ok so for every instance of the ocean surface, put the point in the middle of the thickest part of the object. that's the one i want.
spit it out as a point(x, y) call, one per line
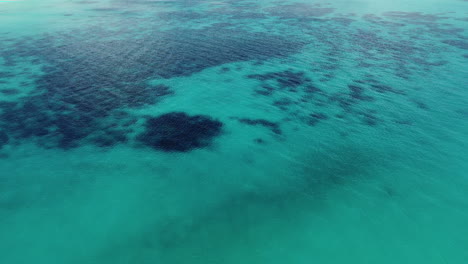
point(233, 131)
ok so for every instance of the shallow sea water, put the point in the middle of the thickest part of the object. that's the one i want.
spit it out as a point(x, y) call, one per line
point(233, 131)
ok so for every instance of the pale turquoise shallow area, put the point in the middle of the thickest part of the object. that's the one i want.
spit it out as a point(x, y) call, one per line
point(363, 161)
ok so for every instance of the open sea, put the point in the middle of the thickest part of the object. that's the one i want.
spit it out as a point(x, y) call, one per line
point(233, 132)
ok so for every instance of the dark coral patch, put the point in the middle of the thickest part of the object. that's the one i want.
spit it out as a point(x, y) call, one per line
point(6, 105)
point(369, 118)
point(265, 90)
point(299, 10)
point(4, 139)
point(259, 141)
point(311, 89)
point(9, 91)
point(70, 118)
point(373, 85)
point(357, 92)
point(274, 127)
point(283, 103)
point(225, 69)
point(314, 118)
point(413, 16)
point(382, 88)
point(179, 132)
point(285, 79)
point(4, 75)
point(457, 43)
point(420, 104)
point(343, 101)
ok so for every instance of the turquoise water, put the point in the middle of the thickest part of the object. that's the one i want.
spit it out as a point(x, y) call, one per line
point(233, 131)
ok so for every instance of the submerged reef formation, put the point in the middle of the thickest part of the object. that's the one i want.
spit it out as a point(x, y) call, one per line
point(3, 139)
point(286, 80)
point(64, 117)
point(71, 87)
point(299, 11)
point(273, 126)
point(87, 82)
point(179, 132)
point(300, 98)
